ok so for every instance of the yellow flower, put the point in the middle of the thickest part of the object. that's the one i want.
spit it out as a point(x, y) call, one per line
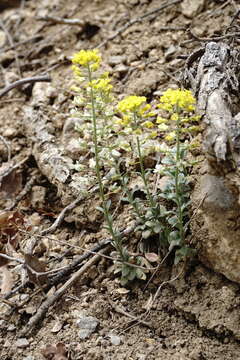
point(118, 121)
point(87, 58)
point(194, 145)
point(148, 124)
point(124, 146)
point(131, 104)
point(174, 117)
point(101, 85)
point(153, 135)
point(195, 118)
point(161, 120)
point(145, 108)
point(171, 136)
point(126, 120)
point(163, 127)
point(194, 128)
point(75, 88)
point(137, 131)
point(76, 70)
point(178, 99)
point(185, 120)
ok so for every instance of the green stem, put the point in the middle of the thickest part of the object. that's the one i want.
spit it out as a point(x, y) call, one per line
point(143, 174)
point(177, 187)
point(116, 239)
point(129, 194)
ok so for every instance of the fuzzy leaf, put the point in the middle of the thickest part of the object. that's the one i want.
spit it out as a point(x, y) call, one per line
point(146, 234)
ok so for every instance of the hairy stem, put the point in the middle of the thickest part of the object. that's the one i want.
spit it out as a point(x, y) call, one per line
point(115, 237)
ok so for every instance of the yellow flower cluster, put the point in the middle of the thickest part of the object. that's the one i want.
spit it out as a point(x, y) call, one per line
point(134, 108)
point(177, 100)
point(132, 104)
point(87, 58)
point(102, 85)
point(76, 70)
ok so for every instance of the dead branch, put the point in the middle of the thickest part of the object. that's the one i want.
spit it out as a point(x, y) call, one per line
point(61, 216)
point(55, 225)
point(121, 311)
point(24, 81)
point(58, 20)
point(35, 319)
point(216, 38)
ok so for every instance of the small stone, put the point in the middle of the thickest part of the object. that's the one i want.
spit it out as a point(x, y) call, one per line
point(170, 51)
point(121, 69)
point(141, 357)
point(10, 132)
point(2, 38)
point(29, 357)
point(117, 59)
point(191, 8)
point(115, 340)
point(11, 327)
point(74, 148)
point(22, 343)
point(87, 325)
point(2, 324)
point(6, 56)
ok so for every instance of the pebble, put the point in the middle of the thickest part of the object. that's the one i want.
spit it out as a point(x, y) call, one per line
point(87, 325)
point(117, 59)
point(121, 69)
point(2, 38)
point(10, 132)
point(11, 327)
point(191, 8)
point(170, 51)
point(2, 324)
point(22, 343)
point(115, 340)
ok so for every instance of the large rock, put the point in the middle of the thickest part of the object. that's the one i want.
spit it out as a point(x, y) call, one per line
point(217, 226)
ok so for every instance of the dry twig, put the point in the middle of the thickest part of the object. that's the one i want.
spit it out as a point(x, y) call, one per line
point(58, 20)
point(217, 38)
point(42, 310)
point(119, 310)
point(24, 81)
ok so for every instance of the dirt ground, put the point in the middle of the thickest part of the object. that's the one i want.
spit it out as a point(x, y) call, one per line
point(196, 316)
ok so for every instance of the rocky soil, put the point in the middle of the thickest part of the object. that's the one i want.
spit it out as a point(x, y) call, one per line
point(144, 46)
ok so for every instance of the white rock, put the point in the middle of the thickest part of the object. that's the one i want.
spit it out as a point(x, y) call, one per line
point(2, 38)
point(191, 8)
point(22, 343)
point(87, 325)
point(115, 340)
